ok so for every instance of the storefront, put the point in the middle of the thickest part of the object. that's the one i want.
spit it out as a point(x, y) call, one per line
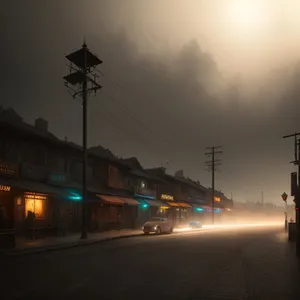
point(114, 212)
point(149, 208)
point(174, 212)
point(185, 212)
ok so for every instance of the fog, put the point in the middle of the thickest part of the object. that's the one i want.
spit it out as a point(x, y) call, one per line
point(176, 78)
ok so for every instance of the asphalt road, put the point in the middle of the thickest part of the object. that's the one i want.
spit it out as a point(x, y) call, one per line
point(218, 264)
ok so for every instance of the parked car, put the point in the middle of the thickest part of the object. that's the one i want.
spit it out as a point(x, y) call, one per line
point(158, 225)
point(195, 224)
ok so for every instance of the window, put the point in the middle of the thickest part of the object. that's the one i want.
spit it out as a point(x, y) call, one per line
point(35, 203)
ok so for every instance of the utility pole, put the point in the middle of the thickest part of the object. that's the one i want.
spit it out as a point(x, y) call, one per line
point(297, 162)
point(262, 198)
point(80, 78)
point(212, 167)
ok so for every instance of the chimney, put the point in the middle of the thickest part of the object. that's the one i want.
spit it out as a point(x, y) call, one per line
point(41, 124)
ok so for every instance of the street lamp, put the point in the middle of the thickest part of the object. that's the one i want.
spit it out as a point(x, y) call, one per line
point(79, 77)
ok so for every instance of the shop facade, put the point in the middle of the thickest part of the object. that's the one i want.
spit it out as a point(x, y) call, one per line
point(149, 208)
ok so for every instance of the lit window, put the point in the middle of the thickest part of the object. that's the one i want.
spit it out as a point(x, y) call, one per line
point(36, 204)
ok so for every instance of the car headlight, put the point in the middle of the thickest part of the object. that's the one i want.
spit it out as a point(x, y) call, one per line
point(143, 227)
point(155, 227)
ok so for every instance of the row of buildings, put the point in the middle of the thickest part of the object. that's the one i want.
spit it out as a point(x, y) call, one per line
point(42, 174)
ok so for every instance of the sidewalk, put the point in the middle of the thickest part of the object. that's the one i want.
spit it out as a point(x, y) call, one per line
point(24, 246)
point(27, 246)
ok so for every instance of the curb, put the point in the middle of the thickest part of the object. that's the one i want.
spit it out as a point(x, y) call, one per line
point(11, 253)
point(66, 246)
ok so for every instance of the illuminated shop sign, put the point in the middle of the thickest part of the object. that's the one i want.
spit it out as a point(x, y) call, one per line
point(5, 188)
point(166, 197)
point(35, 196)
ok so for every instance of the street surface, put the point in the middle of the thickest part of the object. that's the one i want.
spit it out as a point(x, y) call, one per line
point(233, 263)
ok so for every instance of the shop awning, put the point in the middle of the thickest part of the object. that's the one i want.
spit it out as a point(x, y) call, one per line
point(183, 204)
point(173, 203)
point(155, 203)
point(111, 199)
point(130, 201)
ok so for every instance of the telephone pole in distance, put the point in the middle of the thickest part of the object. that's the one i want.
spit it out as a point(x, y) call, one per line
point(296, 162)
point(211, 164)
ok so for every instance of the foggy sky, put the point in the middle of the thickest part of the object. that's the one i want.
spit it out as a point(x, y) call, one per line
point(174, 83)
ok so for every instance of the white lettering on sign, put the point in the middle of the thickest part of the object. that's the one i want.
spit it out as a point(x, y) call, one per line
point(5, 188)
point(166, 197)
point(35, 196)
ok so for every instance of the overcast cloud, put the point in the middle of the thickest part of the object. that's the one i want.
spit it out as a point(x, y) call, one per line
point(161, 100)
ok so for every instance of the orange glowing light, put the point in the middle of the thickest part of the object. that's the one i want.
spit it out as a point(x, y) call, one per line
point(217, 199)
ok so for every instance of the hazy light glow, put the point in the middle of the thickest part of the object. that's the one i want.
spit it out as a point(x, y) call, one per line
point(230, 226)
point(246, 16)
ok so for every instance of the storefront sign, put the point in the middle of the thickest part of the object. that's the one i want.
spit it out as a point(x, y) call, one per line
point(35, 196)
point(5, 188)
point(166, 197)
point(8, 169)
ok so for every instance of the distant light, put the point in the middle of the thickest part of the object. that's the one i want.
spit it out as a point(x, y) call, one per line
point(218, 210)
point(217, 199)
point(199, 209)
point(145, 205)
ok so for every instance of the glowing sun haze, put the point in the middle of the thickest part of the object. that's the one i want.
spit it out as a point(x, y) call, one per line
point(245, 36)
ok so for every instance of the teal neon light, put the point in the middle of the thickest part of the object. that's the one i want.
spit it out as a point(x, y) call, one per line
point(145, 196)
point(74, 197)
